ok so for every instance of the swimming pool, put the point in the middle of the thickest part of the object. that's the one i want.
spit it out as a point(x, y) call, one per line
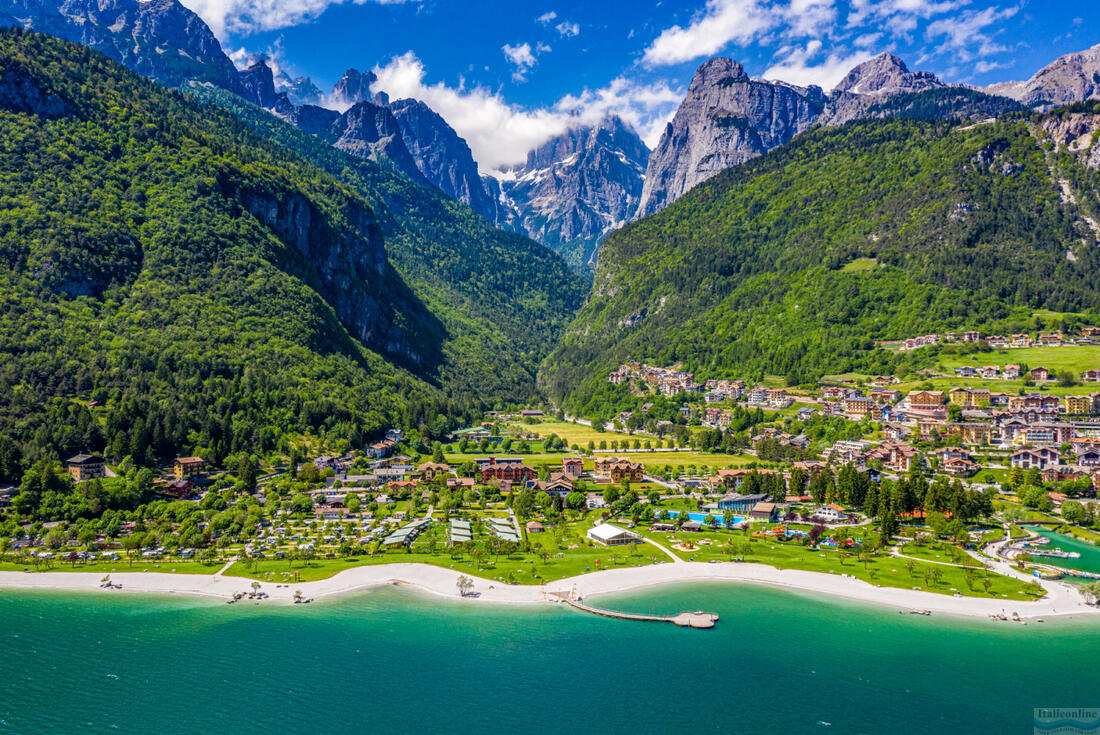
point(701, 517)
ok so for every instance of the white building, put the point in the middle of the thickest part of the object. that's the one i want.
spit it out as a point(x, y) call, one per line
point(610, 535)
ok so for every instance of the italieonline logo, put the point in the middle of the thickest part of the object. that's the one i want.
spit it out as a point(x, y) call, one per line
point(1067, 721)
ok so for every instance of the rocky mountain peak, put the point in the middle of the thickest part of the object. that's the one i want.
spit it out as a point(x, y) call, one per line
point(442, 155)
point(259, 80)
point(160, 39)
point(299, 90)
point(353, 87)
point(579, 186)
point(717, 71)
point(1071, 78)
point(725, 119)
point(886, 74)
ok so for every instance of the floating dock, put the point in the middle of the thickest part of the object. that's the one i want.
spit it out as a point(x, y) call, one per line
point(696, 619)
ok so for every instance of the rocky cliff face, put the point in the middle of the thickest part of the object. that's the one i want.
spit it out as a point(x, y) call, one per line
point(576, 188)
point(353, 87)
point(1070, 78)
point(725, 119)
point(1077, 133)
point(259, 84)
point(442, 156)
point(346, 266)
point(728, 118)
point(160, 39)
point(370, 131)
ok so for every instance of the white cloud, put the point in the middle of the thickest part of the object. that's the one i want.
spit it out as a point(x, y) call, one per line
point(545, 18)
point(249, 16)
point(647, 107)
point(965, 34)
point(500, 134)
point(865, 11)
point(800, 66)
point(568, 29)
point(523, 57)
point(721, 22)
point(984, 67)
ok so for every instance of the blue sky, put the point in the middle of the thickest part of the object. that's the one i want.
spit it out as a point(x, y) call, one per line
point(508, 75)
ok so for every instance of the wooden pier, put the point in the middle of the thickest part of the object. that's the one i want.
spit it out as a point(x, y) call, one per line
point(684, 620)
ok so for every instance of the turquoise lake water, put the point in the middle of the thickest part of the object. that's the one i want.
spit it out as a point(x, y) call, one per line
point(394, 661)
point(1089, 561)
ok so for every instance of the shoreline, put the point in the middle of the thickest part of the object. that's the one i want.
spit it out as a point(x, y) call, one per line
point(1060, 601)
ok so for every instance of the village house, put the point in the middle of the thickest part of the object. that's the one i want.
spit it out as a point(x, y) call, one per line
point(177, 489)
point(187, 468)
point(431, 470)
point(971, 336)
point(504, 469)
point(1078, 405)
point(1010, 372)
point(1039, 457)
point(1051, 340)
point(857, 406)
point(1039, 374)
point(86, 467)
point(764, 512)
point(895, 431)
point(894, 455)
point(845, 452)
point(572, 466)
point(925, 399)
point(326, 513)
point(885, 395)
point(558, 483)
point(831, 513)
point(619, 469)
point(1090, 376)
point(976, 433)
point(1054, 432)
point(1062, 473)
point(1034, 401)
point(460, 483)
point(380, 450)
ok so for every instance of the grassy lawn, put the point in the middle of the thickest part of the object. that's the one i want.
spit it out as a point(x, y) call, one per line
point(1074, 358)
point(859, 265)
point(683, 459)
point(882, 570)
point(943, 552)
point(990, 476)
point(521, 568)
point(572, 433)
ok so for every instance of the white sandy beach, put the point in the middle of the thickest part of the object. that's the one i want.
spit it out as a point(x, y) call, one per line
point(1061, 599)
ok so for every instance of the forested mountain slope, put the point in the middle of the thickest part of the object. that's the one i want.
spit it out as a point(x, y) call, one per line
point(211, 288)
point(502, 298)
point(767, 268)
